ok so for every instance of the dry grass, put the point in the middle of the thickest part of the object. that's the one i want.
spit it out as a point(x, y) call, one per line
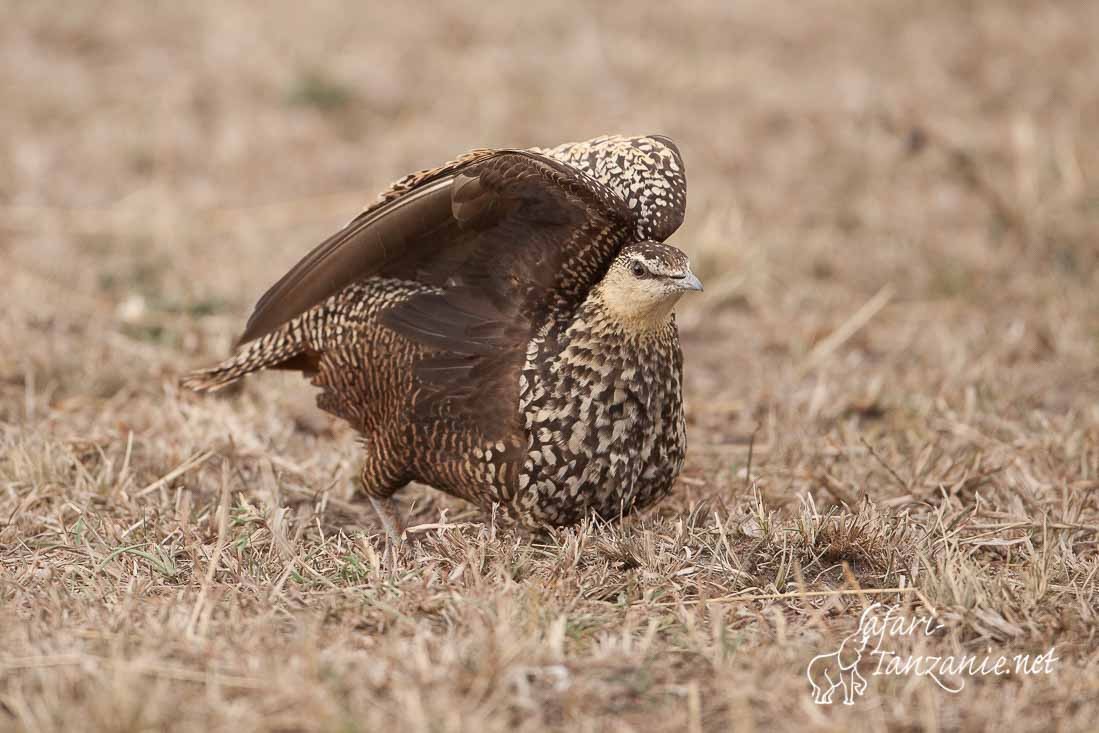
point(895, 209)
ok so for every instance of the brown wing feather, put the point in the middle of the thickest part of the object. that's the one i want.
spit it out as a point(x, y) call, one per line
point(360, 249)
point(551, 238)
point(400, 228)
point(644, 172)
point(415, 232)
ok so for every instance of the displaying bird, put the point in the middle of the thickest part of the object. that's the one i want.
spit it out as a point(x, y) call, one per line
point(499, 328)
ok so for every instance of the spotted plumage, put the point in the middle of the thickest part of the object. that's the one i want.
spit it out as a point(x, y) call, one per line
point(499, 328)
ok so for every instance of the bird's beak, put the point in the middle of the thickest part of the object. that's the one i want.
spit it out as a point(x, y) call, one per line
point(689, 282)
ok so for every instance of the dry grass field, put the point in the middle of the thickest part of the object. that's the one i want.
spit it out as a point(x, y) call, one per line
point(892, 378)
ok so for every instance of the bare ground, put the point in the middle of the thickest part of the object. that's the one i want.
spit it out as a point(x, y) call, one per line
point(891, 377)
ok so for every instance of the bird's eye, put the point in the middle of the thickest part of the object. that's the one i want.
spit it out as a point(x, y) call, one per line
point(638, 269)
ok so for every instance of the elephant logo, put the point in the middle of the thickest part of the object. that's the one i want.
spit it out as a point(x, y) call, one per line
point(840, 668)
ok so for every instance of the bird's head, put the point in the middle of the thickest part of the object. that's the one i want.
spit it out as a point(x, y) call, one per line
point(644, 283)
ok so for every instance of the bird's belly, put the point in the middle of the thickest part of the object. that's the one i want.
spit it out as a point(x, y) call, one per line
point(591, 451)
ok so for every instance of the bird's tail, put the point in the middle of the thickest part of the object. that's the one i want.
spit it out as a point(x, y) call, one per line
point(271, 350)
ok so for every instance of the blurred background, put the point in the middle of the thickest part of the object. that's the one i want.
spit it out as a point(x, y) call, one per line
point(892, 204)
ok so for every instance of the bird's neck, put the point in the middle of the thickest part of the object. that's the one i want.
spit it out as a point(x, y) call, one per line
point(627, 315)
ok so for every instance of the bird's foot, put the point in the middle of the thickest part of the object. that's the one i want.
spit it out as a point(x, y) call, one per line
point(390, 517)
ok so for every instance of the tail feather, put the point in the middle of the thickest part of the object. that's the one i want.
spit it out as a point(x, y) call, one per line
point(269, 351)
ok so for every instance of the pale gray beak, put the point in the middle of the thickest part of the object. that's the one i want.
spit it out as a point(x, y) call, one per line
point(689, 282)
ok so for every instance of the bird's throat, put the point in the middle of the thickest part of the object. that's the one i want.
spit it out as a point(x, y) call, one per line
point(633, 312)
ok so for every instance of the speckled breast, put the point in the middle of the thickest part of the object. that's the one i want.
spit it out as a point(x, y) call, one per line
point(604, 421)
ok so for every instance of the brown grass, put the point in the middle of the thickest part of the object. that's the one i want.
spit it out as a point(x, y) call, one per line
point(895, 209)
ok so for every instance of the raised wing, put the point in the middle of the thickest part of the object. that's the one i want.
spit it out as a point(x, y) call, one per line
point(403, 227)
point(645, 171)
point(399, 226)
point(422, 227)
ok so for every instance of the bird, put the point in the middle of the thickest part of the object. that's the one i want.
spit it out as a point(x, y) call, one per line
point(500, 328)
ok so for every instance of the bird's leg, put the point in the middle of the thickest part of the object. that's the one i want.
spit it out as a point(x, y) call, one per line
point(390, 517)
point(380, 481)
